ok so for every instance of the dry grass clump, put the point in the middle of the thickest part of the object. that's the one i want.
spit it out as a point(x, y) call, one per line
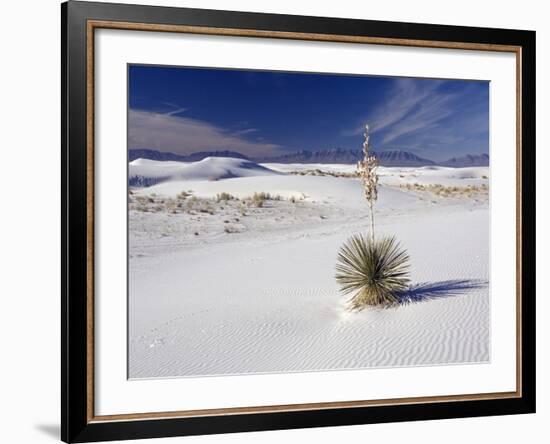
point(183, 195)
point(447, 191)
point(156, 204)
point(318, 172)
point(171, 205)
point(223, 196)
point(258, 199)
point(196, 205)
point(141, 203)
point(374, 272)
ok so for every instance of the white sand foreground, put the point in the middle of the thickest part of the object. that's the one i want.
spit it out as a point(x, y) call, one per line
point(226, 287)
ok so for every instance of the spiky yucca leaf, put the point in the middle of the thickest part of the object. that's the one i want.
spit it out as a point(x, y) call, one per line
point(375, 272)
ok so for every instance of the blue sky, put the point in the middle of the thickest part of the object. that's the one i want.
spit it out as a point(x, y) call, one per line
point(184, 110)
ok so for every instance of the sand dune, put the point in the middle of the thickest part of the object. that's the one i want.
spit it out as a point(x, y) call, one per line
point(436, 175)
point(210, 168)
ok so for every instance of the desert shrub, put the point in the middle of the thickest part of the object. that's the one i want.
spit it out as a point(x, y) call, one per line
point(224, 197)
point(183, 195)
point(207, 209)
point(258, 199)
point(169, 203)
point(191, 204)
point(447, 191)
point(374, 272)
point(195, 204)
point(318, 172)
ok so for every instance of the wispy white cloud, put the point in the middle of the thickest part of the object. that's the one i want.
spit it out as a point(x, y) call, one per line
point(175, 112)
point(177, 109)
point(184, 135)
point(401, 100)
point(412, 114)
point(245, 131)
point(422, 117)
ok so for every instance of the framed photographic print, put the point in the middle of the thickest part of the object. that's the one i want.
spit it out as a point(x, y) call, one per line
point(276, 221)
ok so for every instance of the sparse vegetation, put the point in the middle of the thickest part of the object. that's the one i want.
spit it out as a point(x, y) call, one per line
point(186, 202)
point(318, 172)
point(171, 205)
point(183, 195)
point(258, 199)
point(447, 191)
point(224, 197)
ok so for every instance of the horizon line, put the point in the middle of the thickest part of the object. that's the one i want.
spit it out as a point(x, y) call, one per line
point(290, 153)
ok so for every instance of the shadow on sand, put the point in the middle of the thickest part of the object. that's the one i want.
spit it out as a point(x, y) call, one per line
point(426, 291)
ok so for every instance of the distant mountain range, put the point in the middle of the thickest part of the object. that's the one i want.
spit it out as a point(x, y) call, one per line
point(468, 160)
point(337, 155)
point(194, 157)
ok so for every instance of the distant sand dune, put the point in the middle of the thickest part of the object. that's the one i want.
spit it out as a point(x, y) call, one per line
point(149, 172)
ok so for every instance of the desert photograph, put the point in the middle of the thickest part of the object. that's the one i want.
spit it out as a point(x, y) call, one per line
point(298, 222)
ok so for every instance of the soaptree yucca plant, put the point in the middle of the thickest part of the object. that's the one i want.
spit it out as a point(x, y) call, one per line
point(374, 271)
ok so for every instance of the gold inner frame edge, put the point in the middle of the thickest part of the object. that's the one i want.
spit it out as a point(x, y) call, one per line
point(92, 25)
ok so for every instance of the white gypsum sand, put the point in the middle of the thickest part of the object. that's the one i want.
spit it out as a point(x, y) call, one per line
point(233, 284)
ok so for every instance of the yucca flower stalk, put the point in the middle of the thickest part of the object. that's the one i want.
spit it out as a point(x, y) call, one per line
point(367, 171)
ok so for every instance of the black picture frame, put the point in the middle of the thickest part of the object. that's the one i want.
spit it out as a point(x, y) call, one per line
point(77, 425)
